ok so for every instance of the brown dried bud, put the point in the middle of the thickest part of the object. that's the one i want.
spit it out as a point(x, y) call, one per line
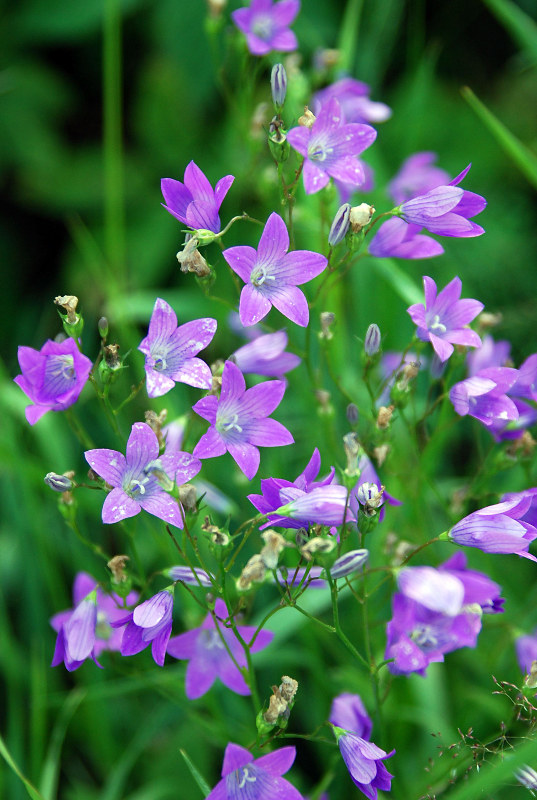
point(188, 496)
point(111, 356)
point(307, 119)
point(317, 545)
point(69, 303)
point(277, 707)
point(116, 565)
point(216, 535)
point(380, 453)
point(191, 260)
point(155, 422)
point(384, 417)
point(360, 216)
point(274, 544)
point(407, 374)
point(288, 688)
point(327, 319)
point(253, 572)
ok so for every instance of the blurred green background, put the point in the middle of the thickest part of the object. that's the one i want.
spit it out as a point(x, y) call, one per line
point(80, 174)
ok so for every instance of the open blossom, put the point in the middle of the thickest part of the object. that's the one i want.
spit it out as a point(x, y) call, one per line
point(138, 477)
point(398, 239)
point(444, 317)
point(272, 275)
point(364, 760)
point(354, 101)
point(194, 202)
point(246, 778)
point(169, 351)
point(208, 657)
point(149, 623)
point(52, 377)
point(266, 25)
point(484, 396)
point(330, 148)
point(348, 712)
point(85, 630)
point(240, 422)
point(417, 176)
point(266, 355)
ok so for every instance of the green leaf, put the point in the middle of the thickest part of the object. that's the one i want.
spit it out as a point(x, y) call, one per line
point(517, 23)
point(348, 37)
point(32, 791)
point(198, 777)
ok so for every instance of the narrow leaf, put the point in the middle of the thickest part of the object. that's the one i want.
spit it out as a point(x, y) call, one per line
point(32, 791)
point(196, 774)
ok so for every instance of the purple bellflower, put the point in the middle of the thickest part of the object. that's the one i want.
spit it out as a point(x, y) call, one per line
point(443, 319)
point(52, 377)
point(149, 623)
point(240, 420)
point(272, 275)
point(138, 478)
point(326, 505)
point(255, 779)
point(484, 396)
point(266, 355)
point(194, 202)
point(85, 631)
point(398, 239)
point(478, 588)
point(490, 354)
point(364, 760)
point(330, 148)
point(266, 25)
point(209, 658)
point(348, 712)
point(417, 176)
point(354, 101)
point(506, 527)
point(526, 651)
point(169, 351)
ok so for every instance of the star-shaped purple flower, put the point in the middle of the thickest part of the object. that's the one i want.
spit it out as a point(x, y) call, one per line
point(330, 148)
point(149, 623)
point(138, 478)
point(194, 202)
point(255, 779)
point(239, 420)
point(52, 377)
point(207, 655)
point(443, 319)
point(272, 275)
point(266, 26)
point(169, 351)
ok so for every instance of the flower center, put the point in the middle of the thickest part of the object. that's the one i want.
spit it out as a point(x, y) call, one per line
point(259, 276)
point(136, 487)
point(212, 640)
point(436, 326)
point(159, 363)
point(62, 367)
point(263, 26)
point(232, 424)
point(244, 777)
point(425, 637)
point(318, 152)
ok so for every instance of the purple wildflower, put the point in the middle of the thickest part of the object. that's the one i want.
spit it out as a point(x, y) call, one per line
point(490, 354)
point(348, 712)
point(52, 377)
point(85, 631)
point(445, 210)
point(354, 101)
point(351, 562)
point(266, 26)
point(255, 779)
point(138, 478)
point(526, 651)
point(325, 505)
point(443, 319)
point(434, 589)
point(506, 527)
point(150, 622)
point(330, 148)
point(192, 576)
point(266, 355)
point(484, 396)
point(364, 760)
point(478, 587)
point(239, 420)
point(417, 176)
point(272, 275)
point(194, 202)
point(397, 239)
point(170, 350)
point(209, 658)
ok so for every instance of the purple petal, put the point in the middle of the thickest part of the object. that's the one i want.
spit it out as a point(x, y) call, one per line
point(278, 762)
point(83, 585)
point(262, 399)
point(118, 505)
point(163, 321)
point(132, 641)
point(269, 433)
point(246, 456)
point(231, 676)
point(299, 139)
point(274, 241)
point(159, 644)
point(253, 306)
point(210, 445)
point(79, 631)
point(142, 447)
point(194, 372)
point(299, 267)
point(314, 177)
point(194, 336)
point(242, 260)
point(163, 506)
point(207, 408)
point(110, 465)
point(152, 611)
point(292, 303)
point(221, 189)
point(284, 12)
point(235, 757)
point(200, 676)
point(442, 348)
point(184, 646)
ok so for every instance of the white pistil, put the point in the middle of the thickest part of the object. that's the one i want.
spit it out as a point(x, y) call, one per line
point(437, 326)
point(246, 777)
point(259, 276)
point(232, 424)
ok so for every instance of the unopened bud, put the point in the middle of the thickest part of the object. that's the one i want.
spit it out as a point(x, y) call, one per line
point(340, 225)
point(278, 86)
point(278, 144)
point(59, 483)
point(372, 340)
point(369, 495)
point(110, 364)
point(327, 319)
point(352, 414)
point(349, 563)
point(102, 325)
point(307, 119)
point(384, 417)
point(360, 216)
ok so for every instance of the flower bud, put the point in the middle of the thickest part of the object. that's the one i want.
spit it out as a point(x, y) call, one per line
point(360, 216)
point(278, 144)
point(188, 497)
point(385, 417)
point(254, 572)
point(372, 340)
point(59, 483)
point(73, 323)
point(349, 563)
point(370, 498)
point(102, 325)
point(327, 319)
point(307, 119)
point(278, 86)
point(352, 414)
point(110, 365)
point(340, 225)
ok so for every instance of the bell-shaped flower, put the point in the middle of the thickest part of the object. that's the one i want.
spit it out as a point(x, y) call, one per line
point(484, 396)
point(348, 712)
point(194, 202)
point(364, 760)
point(399, 239)
point(149, 623)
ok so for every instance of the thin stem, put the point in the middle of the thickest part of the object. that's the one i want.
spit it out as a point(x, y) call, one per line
point(78, 429)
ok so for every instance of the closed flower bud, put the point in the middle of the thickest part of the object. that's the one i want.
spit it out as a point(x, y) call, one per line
point(340, 225)
point(278, 144)
point(349, 563)
point(102, 325)
point(278, 86)
point(327, 319)
point(352, 414)
point(59, 483)
point(372, 340)
point(370, 498)
point(307, 119)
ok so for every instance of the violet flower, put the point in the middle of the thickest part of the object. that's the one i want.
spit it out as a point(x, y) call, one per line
point(266, 26)
point(478, 588)
point(490, 354)
point(208, 657)
point(194, 202)
point(445, 210)
point(398, 239)
point(272, 275)
point(364, 760)
point(417, 176)
point(325, 505)
point(138, 478)
point(526, 651)
point(354, 101)
point(192, 576)
point(255, 779)
point(240, 420)
point(501, 528)
point(52, 377)
point(484, 396)
point(330, 148)
point(169, 351)
point(348, 712)
point(85, 631)
point(149, 623)
point(443, 319)
point(266, 355)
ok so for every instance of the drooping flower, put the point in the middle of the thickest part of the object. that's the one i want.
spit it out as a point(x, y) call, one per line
point(272, 275)
point(484, 396)
point(444, 317)
point(348, 712)
point(255, 779)
point(506, 527)
point(149, 623)
point(364, 760)
point(398, 239)
point(266, 26)
point(52, 377)
point(351, 562)
point(266, 355)
point(194, 202)
point(330, 148)
point(434, 589)
point(417, 176)
point(85, 630)
point(353, 98)
point(240, 420)
point(208, 657)
point(138, 478)
point(169, 351)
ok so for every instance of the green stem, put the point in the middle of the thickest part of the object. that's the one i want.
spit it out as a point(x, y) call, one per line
point(337, 625)
point(78, 429)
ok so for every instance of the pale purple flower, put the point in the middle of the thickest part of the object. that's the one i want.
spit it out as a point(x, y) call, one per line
point(506, 527)
point(348, 712)
point(330, 148)
point(52, 377)
point(444, 317)
point(266, 355)
point(353, 98)
point(169, 351)
point(246, 778)
point(85, 631)
point(434, 589)
point(208, 657)
point(325, 505)
point(272, 275)
point(240, 420)
point(490, 354)
point(478, 587)
point(417, 176)
point(484, 396)
point(340, 225)
point(266, 25)
point(192, 576)
point(138, 478)
point(351, 562)
point(398, 239)
point(149, 623)
point(278, 85)
point(526, 651)
point(445, 210)
point(194, 202)
point(364, 760)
